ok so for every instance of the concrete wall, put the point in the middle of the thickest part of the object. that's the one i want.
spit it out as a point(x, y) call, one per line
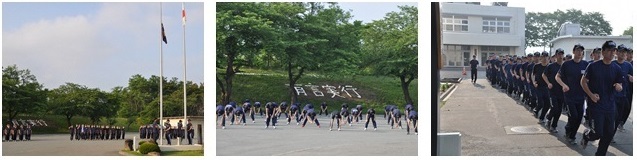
point(589, 43)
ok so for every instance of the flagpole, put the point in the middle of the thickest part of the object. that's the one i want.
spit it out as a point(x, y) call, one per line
point(183, 16)
point(161, 78)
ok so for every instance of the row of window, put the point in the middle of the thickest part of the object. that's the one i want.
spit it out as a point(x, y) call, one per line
point(453, 23)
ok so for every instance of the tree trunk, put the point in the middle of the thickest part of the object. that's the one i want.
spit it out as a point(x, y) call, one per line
point(223, 89)
point(405, 86)
point(231, 43)
point(292, 83)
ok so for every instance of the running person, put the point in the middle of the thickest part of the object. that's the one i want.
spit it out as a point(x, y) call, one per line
point(556, 93)
point(621, 99)
point(569, 78)
point(600, 81)
point(541, 88)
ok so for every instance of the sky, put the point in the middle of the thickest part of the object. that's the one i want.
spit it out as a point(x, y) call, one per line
point(101, 45)
point(620, 14)
point(369, 11)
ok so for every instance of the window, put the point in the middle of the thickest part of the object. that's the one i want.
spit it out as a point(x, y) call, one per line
point(455, 23)
point(456, 55)
point(496, 25)
point(500, 50)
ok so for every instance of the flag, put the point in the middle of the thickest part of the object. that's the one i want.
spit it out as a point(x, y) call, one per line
point(183, 14)
point(163, 34)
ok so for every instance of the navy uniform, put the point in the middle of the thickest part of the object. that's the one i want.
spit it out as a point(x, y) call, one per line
point(167, 133)
point(180, 130)
point(6, 132)
point(123, 132)
point(360, 112)
point(474, 69)
point(229, 114)
point(555, 91)
point(570, 75)
point(543, 103)
point(413, 119)
point(269, 115)
point(142, 130)
point(523, 78)
point(370, 116)
point(388, 112)
point(311, 115)
point(248, 109)
point(601, 80)
point(28, 132)
point(221, 111)
point(21, 132)
point(323, 108)
point(283, 110)
point(240, 115)
point(621, 98)
point(336, 116)
point(345, 113)
point(395, 113)
point(191, 131)
point(72, 131)
point(294, 112)
point(257, 107)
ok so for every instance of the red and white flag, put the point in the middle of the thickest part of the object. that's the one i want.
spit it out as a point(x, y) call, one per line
point(183, 14)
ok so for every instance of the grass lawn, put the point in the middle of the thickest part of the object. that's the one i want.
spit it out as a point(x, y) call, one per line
point(375, 91)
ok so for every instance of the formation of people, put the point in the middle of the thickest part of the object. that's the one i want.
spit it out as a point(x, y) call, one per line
point(96, 132)
point(272, 111)
point(16, 132)
point(153, 131)
point(547, 85)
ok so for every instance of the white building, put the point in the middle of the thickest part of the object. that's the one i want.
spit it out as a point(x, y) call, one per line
point(470, 29)
point(569, 35)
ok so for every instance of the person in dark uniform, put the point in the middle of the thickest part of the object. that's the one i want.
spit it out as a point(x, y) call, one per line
point(629, 89)
point(270, 115)
point(336, 116)
point(355, 114)
point(413, 120)
point(522, 71)
point(311, 115)
point(123, 132)
point(257, 108)
point(221, 111)
point(543, 103)
point(323, 108)
point(142, 130)
point(77, 132)
point(294, 113)
point(345, 114)
point(360, 110)
point(396, 118)
point(180, 131)
point(600, 81)
point(191, 131)
point(370, 116)
point(534, 93)
point(239, 115)
point(248, 109)
point(556, 93)
point(167, 131)
point(569, 78)
point(5, 133)
point(13, 132)
point(156, 132)
point(28, 132)
point(21, 132)
point(408, 108)
point(621, 99)
point(72, 131)
point(388, 111)
point(474, 69)
point(229, 113)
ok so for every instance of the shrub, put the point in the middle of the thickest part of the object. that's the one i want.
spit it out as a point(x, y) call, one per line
point(141, 142)
point(148, 147)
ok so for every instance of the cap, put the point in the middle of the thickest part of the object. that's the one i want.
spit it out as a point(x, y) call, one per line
point(559, 50)
point(621, 47)
point(529, 55)
point(536, 54)
point(545, 54)
point(578, 46)
point(609, 45)
point(569, 56)
point(597, 50)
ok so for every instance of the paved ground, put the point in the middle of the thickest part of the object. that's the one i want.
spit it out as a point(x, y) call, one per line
point(60, 145)
point(480, 113)
point(292, 140)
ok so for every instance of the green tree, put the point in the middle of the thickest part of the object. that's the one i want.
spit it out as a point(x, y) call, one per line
point(541, 28)
point(391, 47)
point(629, 32)
point(67, 100)
point(313, 37)
point(241, 30)
point(21, 92)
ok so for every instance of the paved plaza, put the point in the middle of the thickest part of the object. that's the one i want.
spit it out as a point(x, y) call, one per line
point(292, 140)
point(482, 114)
